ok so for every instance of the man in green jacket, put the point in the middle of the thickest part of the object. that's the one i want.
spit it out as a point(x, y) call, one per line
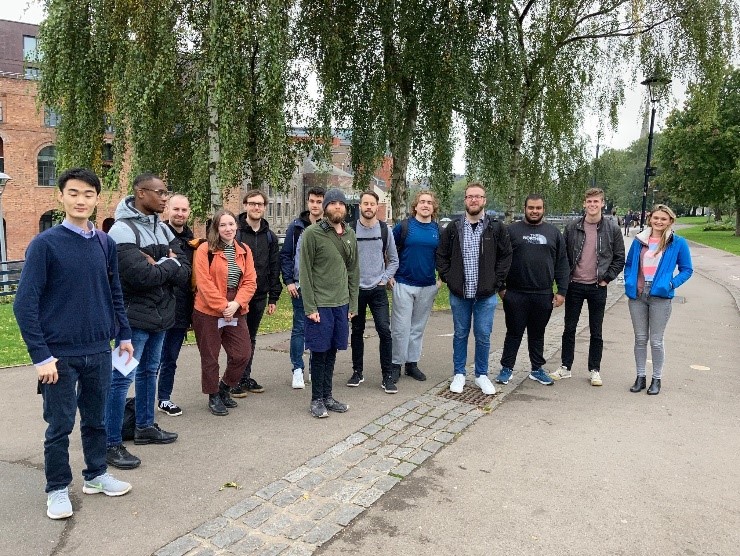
point(330, 278)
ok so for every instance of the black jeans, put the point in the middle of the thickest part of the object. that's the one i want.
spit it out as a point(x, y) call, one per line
point(84, 382)
point(530, 312)
point(377, 300)
point(254, 318)
point(595, 296)
point(322, 373)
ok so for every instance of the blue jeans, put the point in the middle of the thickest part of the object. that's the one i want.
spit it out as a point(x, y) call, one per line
point(147, 351)
point(173, 339)
point(481, 312)
point(83, 382)
point(297, 333)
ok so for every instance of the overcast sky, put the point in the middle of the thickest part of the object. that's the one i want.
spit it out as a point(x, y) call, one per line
point(630, 115)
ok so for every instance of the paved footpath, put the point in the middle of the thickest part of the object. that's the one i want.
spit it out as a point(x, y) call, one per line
point(532, 470)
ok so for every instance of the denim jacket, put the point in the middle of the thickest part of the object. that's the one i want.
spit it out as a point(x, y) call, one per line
point(664, 284)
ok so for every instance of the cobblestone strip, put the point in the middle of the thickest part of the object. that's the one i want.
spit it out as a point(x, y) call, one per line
point(308, 506)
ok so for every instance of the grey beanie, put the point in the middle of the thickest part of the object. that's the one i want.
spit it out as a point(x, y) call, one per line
point(334, 195)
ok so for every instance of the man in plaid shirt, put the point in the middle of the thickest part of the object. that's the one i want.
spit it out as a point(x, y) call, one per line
point(473, 258)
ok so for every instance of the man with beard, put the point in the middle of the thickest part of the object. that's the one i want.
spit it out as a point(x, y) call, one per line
point(539, 258)
point(378, 263)
point(289, 268)
point(330, 275)
point(179, 212)
point(473, 258)
point(255, 232)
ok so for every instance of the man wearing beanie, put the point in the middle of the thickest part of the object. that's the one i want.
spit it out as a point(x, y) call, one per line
point(330, 277)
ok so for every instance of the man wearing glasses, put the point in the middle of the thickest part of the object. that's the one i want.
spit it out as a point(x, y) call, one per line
point(473, 258)
point(151, 264)
point(255, 232)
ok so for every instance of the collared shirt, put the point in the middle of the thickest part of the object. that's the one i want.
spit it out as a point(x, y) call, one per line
point(471, 255)
point(88, 233)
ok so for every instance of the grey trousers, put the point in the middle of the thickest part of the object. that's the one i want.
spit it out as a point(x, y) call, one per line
point(412, 306)
point(649, 319)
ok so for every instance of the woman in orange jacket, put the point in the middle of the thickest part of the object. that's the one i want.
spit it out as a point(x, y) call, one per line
point(226, 281)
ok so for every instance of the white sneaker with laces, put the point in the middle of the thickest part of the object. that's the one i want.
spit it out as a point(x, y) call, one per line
point(484, 383)
point(58, 505)
point(562, 372)
point(457, 384)
point(298, 383)
point(595, 378)
point(107, 484)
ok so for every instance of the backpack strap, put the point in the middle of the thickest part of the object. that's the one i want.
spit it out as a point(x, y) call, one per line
point(383, 234)
point(103, 240)
point(137, 233)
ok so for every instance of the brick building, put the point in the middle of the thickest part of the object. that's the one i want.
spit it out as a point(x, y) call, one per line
point(27, 154)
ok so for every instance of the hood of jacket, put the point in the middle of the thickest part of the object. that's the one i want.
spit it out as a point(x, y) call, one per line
point(244, 225)
point(644, 236)
point(126, 210)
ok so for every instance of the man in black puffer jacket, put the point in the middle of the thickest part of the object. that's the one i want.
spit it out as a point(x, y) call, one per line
point(151, 265)
point(254, 231)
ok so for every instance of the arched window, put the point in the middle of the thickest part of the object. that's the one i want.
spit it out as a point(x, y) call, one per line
point(49, 219)
point(47, 165)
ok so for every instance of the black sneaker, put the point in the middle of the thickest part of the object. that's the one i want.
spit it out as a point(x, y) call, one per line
point(169, 408)
point(318, 409)
point(240, 390)
point(118, 456)
point(333, 405)
point(216, 405)
point(414, 372)
point(388, 385)
point(356, 379)
point(154, 435)
point(395, 373)
point(253, 387)
point(223, 392)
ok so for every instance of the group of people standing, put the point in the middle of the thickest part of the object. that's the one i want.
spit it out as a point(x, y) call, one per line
point(147, 281)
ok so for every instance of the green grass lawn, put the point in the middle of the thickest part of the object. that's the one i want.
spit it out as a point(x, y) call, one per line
point(692, 220)
point(13, 349)
point(726, 241)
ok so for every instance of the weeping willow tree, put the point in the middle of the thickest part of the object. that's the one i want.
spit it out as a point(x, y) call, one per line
point(199, 92)
point(540, 64)
point(387, 72)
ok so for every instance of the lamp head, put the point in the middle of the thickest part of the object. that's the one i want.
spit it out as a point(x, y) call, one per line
point(4, 178)
point(657, 86)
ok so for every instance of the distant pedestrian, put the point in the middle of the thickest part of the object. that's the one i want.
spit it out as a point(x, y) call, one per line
point(473, 258)
point(628, 219)
point(539, 258)
point(330, 276)
point(376, 251)
point(226, 281)
point(415, 285)
point(596, 257)
point(289, 267)
point(650, 284)
point(69, 305)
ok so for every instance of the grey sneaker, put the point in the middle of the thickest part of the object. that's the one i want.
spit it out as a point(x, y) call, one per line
point(333, 405)
point(318, 409)
point(106, 484)
point(58, 505)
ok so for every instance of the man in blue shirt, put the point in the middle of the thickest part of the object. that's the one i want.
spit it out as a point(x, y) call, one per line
point(68, 306)
point(415, 284)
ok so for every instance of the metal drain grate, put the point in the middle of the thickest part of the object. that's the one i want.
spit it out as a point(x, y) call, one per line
point(471, 396)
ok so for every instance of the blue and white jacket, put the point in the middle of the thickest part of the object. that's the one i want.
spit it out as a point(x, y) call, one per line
point(664, 284)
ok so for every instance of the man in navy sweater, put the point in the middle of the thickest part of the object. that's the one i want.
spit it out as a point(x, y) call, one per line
point(68, 306)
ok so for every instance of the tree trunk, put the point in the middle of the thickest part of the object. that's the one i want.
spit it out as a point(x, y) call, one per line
point(718, 213)
point(400, 148)
point(515, 162)
point(213, 158)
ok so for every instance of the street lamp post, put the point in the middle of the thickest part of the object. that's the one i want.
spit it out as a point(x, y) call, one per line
point(4, 179)
point(656, 85)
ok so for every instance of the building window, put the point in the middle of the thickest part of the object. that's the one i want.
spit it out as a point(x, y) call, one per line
point(108, 123)
point(2, 110)
point(2, 156)
point(287, 209)
point(51, 117)
point(31, 56)
point(47, 166)
point(107, 154)
point(49, 219)
point(279, 214)
point(269, 209)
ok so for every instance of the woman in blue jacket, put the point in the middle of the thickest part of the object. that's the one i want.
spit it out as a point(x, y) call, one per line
point(649, 283)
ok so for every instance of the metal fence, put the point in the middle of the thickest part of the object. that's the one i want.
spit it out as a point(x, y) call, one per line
point(10, 275)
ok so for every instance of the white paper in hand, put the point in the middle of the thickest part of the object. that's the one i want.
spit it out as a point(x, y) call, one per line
point(119, 362)
point(233, 322)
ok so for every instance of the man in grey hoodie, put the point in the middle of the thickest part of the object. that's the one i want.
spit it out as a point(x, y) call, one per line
point(150, 264)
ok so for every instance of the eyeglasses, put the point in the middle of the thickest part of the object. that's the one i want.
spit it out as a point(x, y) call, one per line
point(160, 192)
point(475, 197)
point(255, 205)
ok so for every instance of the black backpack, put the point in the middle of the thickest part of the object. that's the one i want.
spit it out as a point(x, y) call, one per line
point(383, 234)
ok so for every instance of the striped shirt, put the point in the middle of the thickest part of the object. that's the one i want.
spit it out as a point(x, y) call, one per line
point(235, 273)
point(651, 259)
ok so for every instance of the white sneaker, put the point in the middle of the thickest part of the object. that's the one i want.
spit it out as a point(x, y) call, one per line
point(106, 484)
point(485, 385)
point(298, 383)
point(595, 378)
point(562, 372)
point(457, 384)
